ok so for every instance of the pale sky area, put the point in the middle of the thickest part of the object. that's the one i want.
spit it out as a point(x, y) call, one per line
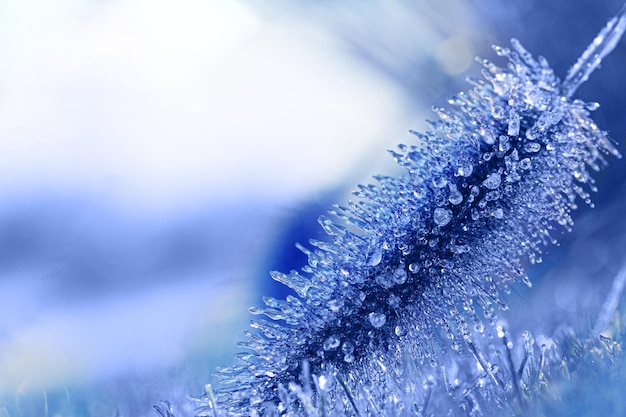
point(152, 107)
point(151, 102)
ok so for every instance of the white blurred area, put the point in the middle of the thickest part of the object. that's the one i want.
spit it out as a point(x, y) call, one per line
point(151, 102)
point(122, 122)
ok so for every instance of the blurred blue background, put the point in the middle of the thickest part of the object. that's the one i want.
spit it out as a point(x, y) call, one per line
point(157, 158)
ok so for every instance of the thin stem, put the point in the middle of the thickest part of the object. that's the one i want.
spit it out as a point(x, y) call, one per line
point(611, 302)
point(350, 398)
point(601, 46)
point(213, 404)
point(483, 363)
point(514, 378)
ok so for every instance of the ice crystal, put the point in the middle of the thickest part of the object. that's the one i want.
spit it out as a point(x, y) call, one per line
point(419, 263)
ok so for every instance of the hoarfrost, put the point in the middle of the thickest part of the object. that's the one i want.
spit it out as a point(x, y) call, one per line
point(491, 183)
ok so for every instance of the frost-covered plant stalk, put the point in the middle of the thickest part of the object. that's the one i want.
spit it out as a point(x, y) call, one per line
point(420, 263)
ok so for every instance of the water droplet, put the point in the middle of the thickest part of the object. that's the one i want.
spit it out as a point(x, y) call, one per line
point(331, 343)
point(405, 249)
point(393, 301)
point(442, 216)
point(335, 305)
point(458, 249)
point(529, 342)
point(532, 147)
point(399, 330)
point(322, 382)
point(493, 181)
point(525, 164)
point(498, 213)
point(500, 331)
point(377, 319)
point(487, 135)
point(384, 280)
point(455, 197)
point(414, 267)
point(479, 326)
point(439, 182)
point(374, 257)
point(464, 168)
point(348, 348)
point(399, 276)
point(503, 145)
point(513, 177)
point(514, 123)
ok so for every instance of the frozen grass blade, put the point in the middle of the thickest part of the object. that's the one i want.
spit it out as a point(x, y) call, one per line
point(601, 46)
point(610, 304)
point(416, 268)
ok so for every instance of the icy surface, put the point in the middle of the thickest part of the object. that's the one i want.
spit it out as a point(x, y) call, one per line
point(420, 263)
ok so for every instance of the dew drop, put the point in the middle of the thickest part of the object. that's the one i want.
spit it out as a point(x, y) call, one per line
point(377, 319)
point(464, 168)
point(514, 123)
point(493, 181)
point(442, 216)
point(384, 280)
point(322, 382)
point(487, 136)
point(374, 257)
point(414, 267)
point(348, 348)
point(500, 330)
point(399, 276)
point(455, 197)
point(459, 249)
point(331, 343)
point(532, 147)
point(498, 213)
point(524, 163)
point(479, 326)
point(335, 305)
point(439, 182)
point(393, 301)
point(529, 342)
point(503, 144)
point(399, 330)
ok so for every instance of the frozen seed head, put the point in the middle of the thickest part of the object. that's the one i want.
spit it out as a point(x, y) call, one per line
point(419, 262)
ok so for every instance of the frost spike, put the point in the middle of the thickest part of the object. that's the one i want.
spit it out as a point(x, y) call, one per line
point(419, 263)
point(602, 45)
